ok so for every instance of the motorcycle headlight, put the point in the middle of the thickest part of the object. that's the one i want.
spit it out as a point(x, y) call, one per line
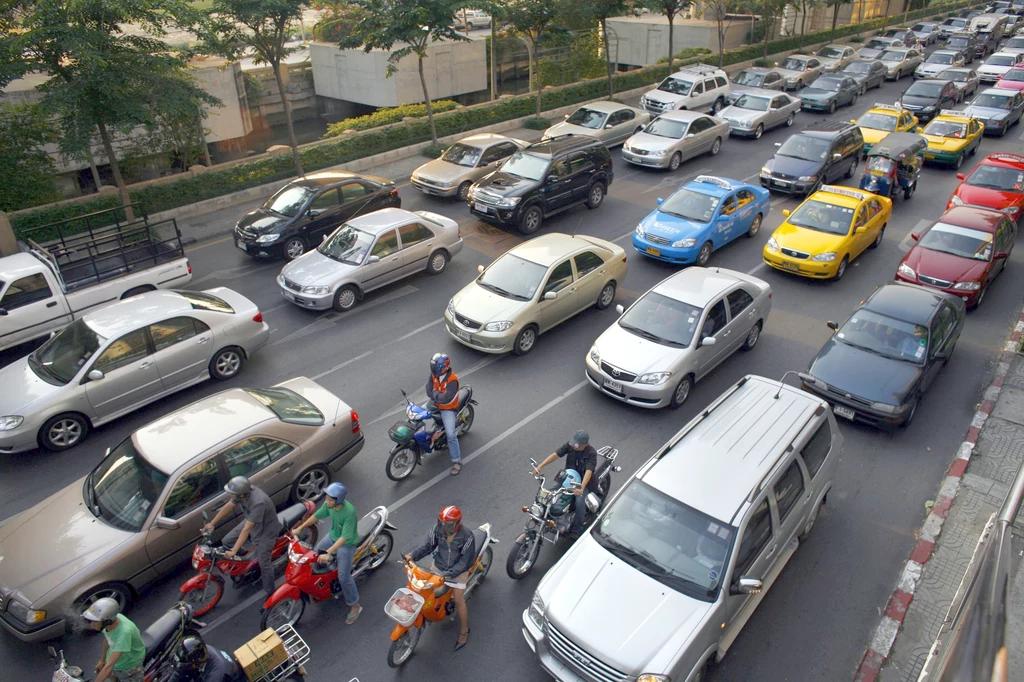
point(826, 257)
point(967, 286)
point(595, 355)
point(1009, 210)
point(419, 584)
point(654, 378)
point(10, 422)
point(956, 201)
point(808, 178)
point(640, 231)
point(498, 326)
point(537, 510)
point(685, 243)
point(772, 244)
point(451, 306)
point(267, 238)
point(24, 613)
point(906, 270)
point(507, 202)
point(536, 611)
point(316, 290)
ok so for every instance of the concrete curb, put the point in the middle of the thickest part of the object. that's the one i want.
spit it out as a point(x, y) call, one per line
point(885, 634)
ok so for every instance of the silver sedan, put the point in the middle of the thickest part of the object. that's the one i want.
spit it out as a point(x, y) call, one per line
point(754, 113)
point(900, 62)
point(609, 122)
point(115, 360)
point(462, 164)
point(674, 137)
point(676, 333)
point(800, 70)
point(835, 57)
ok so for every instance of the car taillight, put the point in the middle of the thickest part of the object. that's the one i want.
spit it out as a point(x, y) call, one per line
point(769, 293)
point(258, 317)
point(623, 259)
point(189, 266)
point(355, 421)
point(394, 192)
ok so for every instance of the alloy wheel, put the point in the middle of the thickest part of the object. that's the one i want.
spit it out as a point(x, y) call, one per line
point(65, 432)
point(228, 363)
point(312, 484)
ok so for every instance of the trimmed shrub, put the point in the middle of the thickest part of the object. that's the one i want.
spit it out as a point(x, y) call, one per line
point(385, 116)
point(432, 151)
point(536, 123)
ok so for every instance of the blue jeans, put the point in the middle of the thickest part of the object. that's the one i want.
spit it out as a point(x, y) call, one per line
point(448, 418)
point(344, 556)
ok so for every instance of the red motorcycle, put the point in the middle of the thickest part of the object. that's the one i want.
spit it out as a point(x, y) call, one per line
point(203, 590)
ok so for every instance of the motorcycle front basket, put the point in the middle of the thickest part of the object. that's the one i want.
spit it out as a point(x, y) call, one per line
point(402, 432)
point(404, 606)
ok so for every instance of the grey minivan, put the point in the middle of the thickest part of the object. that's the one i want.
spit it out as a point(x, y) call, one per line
point(696, 538)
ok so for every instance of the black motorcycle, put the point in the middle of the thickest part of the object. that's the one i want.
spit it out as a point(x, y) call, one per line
point(552, 511)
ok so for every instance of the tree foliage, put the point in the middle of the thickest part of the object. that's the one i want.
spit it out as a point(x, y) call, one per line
point(671, 9)
point(25, 166)
point(600, 11)
point(530, 19)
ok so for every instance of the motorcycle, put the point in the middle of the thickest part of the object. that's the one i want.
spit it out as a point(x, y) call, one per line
point(64, 671)
point(204, 590)
point(427, 598)
point(551, 514)
point(423, 433)
point(307, 580)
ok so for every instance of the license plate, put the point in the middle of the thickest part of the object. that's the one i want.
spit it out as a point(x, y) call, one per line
point(480, 207)
point(613, 385)
point(653, 251)
point(240, 244)
point(61, 675)
point(929, 156)
point(791, 266)
point(462, 334)
point(780, 183)
point(845, 412)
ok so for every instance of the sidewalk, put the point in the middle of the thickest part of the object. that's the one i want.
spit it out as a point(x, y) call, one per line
point(975, 486)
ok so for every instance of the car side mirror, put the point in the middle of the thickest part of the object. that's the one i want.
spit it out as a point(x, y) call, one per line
point(607, 126)
point(659, 201)
point(778, 144)
point(3, 311)
point(860, 230)
point(694, 94)
point(1001, 255)
point(708, 341)
point(688, 136)
point(837, 156)
point(550, 295)
point(619, 309)
point(95, 375)
point(961, 176)
point(164, 523)
point(566, 116)
point(919, 129)
point(324, 238)
point(853, 120)
point(786, 213)
point(552, 178)
point(915, 236)
point(834, 326)
point(747, 586)
point(480, 269)
point(372, 259)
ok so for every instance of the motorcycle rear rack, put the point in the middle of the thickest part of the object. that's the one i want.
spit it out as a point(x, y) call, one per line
point(609, 453)
point(298, 655)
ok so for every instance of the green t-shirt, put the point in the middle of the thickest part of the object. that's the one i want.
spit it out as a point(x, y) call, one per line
point(125, 638)
point(343, 522)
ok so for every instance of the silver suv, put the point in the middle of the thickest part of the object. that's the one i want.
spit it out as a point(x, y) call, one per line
point(695, 539)
point(696, 88)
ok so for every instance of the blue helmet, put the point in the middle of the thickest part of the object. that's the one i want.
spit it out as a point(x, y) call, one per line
point(572, 477)
point(439, 364)
point(338, 491)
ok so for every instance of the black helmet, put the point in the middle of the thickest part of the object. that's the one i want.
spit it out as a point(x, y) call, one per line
point(238, 486)
point(191, 654)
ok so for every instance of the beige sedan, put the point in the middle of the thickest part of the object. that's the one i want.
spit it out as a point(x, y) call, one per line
point(610, 122)
point(462, 164)
point(136, 517)
point(533, 288)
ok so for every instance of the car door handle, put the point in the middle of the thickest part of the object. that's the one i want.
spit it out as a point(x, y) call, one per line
point(203, 339)
point(771, 552)
point(395, 258)
point(284, 467)
point(572, 291)
point(727, 333)
point(51, 304)
point(146, 364)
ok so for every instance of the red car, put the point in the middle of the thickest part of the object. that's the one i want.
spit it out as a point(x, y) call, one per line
point(961, 253)
point(1012, 79)
point(997, 182)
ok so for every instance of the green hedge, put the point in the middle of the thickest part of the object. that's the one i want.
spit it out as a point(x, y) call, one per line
point(387, 116)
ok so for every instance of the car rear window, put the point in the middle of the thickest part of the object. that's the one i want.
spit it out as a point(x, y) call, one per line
point(289, 406)
point(203, 301)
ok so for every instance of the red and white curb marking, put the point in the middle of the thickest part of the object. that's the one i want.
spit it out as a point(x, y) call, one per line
point(896, 609)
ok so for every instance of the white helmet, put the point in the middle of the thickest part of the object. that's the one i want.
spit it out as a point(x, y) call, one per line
point(102, 610)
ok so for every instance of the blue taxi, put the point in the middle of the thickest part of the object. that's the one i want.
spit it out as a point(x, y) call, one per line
point(703, 215)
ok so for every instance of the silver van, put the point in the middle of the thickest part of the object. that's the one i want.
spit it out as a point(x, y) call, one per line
point(696, 538)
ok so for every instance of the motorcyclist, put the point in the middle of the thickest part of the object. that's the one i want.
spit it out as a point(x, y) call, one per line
point(443, 389)
point(581, 457)
point(195, 661)
point(454, 550)
point(260, 524)
point(124, 652)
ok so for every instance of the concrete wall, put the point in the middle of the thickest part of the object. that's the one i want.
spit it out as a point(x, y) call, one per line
point(455, 68)
point(298, 87)
point(644, 40)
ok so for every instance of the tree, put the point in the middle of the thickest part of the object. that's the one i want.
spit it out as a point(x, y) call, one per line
point(771, 11)
point(836, 4)
point(413, 23)
point(805, 7)
point(101, 79)
point(530, 19)
point(263, 26)
point(25, 166)
point(601, 11)
point(720, 10)
point(670, 8)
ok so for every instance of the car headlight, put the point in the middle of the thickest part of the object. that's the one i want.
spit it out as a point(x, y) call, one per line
point(444, 185)
point(956, 201)
point(685, 243)
point(24, 613)
point(772, 244)
point(653, 677)
point(451, 306)
point(507, 202)
point(267, 238)
point(626, 147)
point(826, 257)
point(10, 422)
point(657, 152)
point(654, 378)
point(319, 289)
point(640, 231)
point(996, 122)
point(536, 611)
point(889, 409)
point(765, 170)
point(808, 178)
point(929, 108)
point(906, 270)
point(498, 326)
point(1009, 210)
point(471, 194)
point(967, 286)
point(595, 355)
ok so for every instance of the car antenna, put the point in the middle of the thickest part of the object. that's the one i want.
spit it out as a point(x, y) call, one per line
point(337, 413)
point(783, 380)
point(576, 229)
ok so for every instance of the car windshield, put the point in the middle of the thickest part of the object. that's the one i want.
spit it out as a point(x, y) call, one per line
point(794, 64)
point(690, 205)
point(524, 165)
point(822, 217)
point(830, 52)
point(877, 121)
point(347, 244)
point(941, 58)
point(885, 336)
point(957, 41)
point(941, 128)
point(59, 359)
point(880, 165)
point(200, 300)
point(958, 241)
point(753, 102)
point(289, 406)
point(124, 487)
point(663, 320)
point(748, 78)
point(858, 67)
point(893, 56)
point(512, 277)
point(878, 43)
point(955, 23)
point(288, 201)
point(667, 540)
point(587, 118)
point(922, 28)
point(1014, 44)
point(676, 86)
point(828, 84)
point(1000, 60)
point(666, 127)
point(925, 89)
point(991, 101)
point(805, 147)
point(1014, 75)
point(462, 155)
point(997, 177)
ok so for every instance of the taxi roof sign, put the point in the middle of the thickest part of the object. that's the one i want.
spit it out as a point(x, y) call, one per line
point(724, 184)
point(843, 191)
point(954, 112)
point(1006, 156)
point(887, 107)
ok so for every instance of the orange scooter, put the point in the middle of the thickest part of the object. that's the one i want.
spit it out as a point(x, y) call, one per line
point(427, 598)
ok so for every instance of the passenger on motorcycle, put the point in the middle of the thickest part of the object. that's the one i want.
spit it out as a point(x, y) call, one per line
point(342, 542)
point(443, 389)
point(581, 457)
point(123, 649)
point(194, 661)
point(454, 551)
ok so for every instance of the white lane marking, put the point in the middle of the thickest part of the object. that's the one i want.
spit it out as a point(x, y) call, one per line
point(321, 375)
point(234, 273)
point(229, 615)
point(625, 236)
point(672, 182)
point(757, 267)
point(329, 319)
point(414, 332)
point(278, 307)
point(908, 241)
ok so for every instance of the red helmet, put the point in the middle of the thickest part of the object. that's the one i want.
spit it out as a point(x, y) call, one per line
point(450, 519)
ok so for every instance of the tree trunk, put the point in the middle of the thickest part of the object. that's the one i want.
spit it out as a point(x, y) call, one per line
point(122, 189)
point(92, 164)
point(721, 41)
point(767, 31)
point(535, 70)
point(202, 140)
point(885, 20)
point(288, 118)
point(803, 23)
point(426, 99)
point(607, 57)
point(494, 66)
point(670, 46)
point(835, 18)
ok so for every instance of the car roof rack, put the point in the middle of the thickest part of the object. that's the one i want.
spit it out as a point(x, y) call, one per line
point(702, 68)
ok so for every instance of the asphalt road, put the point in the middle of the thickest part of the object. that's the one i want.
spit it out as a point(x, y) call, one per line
point(818, 617)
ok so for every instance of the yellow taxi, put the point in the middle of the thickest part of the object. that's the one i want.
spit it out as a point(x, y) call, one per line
point(882, 119)
point(831, 228)
point(951, 136)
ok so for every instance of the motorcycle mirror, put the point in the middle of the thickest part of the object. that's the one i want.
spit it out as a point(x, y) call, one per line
point(52, 652)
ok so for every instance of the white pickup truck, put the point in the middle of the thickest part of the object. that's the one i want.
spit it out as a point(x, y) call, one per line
point(44, 288)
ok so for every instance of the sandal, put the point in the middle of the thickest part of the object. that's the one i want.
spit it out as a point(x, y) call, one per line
point(456, 468)
point(458, 644)
point(351, 618)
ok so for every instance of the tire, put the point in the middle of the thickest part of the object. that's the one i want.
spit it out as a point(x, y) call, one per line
point(345, 298)
point(853, 167)
point(310, 484)
point(523, 557)
point(381, 547)
point(464, 420)
point(878, 240)
point(596, 195)
point(478, 576)
point(716, 147)
point(135, 291)
point(853, 102)
point(843, 264)
point(675, 161)
point(402, 648)
point(704, 255)
point(119, 592)
point(909, 191)
point(979, 299)
point(401, 463)
point(758, 131)
point(462, 194)
point(681, 392)
point(606, 297)
point(437, 262)
point(809, 524)
point(63, 431)
point(754, 226)
point(293, 247)
point(791, 120)
point(863, 90)
point(974, 149)
point(832, 107)
point(226, 363)
point(531, 220)
point(287, 611)
point(718, 105)
point(959, 162)
point(525, 341)
point(910, 417)
point(752, 337)
point(202, 600)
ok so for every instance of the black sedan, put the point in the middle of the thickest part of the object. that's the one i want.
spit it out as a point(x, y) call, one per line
point(298, 216)
point(869, 73)
point(878, 364)
point(927, 97)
